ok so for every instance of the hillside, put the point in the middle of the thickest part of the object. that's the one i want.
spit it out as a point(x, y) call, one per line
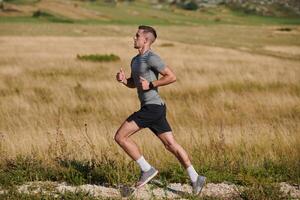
point(279, 8)
point(139, 12)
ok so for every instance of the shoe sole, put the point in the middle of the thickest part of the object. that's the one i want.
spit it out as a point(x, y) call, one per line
point(151, 177)
point(202, 186)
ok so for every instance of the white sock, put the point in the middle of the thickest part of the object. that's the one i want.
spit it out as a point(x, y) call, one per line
point(144, 165)
point(192, 173)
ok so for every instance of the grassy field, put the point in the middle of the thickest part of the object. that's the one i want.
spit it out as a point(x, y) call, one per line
point(235, 106)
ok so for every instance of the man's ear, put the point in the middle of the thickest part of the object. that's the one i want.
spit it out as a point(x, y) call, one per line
point(146, 40)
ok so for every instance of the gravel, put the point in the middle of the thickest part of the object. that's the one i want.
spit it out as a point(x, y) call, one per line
point(154, 190)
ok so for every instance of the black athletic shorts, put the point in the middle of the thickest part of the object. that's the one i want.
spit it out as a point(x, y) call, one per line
point(151, 116)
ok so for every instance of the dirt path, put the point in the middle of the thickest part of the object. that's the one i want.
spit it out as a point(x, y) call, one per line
point(151, 191)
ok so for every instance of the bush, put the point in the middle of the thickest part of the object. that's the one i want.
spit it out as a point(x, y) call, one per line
point(99, 58)
point(40, 13)
point(262, 191)
point(45, 15)
point(13, 194)
point(190, 5)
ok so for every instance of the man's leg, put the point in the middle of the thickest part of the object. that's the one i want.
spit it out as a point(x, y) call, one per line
point(122, 137)
point(170, 143)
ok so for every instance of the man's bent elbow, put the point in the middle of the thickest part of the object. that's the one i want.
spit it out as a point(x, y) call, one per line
point(173, 78)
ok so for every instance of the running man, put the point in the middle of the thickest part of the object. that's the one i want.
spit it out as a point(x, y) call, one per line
point(145, 69)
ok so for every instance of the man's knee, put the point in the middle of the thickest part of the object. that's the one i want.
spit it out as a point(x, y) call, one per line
point(119, 137)
point(171, 146)
point(125, 131)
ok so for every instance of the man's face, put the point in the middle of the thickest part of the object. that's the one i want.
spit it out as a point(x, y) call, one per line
point(139, 39)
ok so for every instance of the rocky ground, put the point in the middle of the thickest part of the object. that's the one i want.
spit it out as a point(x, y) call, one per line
point(155, 190)
point(279, 8)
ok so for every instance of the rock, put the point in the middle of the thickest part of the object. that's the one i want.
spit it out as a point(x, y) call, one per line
point(293, 191)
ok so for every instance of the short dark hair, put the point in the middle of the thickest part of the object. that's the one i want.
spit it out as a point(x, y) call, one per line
point(148, 29)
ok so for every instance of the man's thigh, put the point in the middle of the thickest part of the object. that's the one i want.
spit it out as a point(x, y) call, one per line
point(127, 129)
point(167, 138)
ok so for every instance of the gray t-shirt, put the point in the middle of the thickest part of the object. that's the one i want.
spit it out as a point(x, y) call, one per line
point(147, 66)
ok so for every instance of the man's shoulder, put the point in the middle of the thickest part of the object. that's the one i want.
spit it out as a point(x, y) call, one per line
point(134, 57)
point(152, 56)
point(152, 53)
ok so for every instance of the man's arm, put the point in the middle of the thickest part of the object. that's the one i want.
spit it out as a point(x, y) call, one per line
point(129, 82)
point(168, 77)
point(121, 77)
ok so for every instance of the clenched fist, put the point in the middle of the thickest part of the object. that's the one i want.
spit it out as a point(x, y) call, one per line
point(121, 77)
point(144, 83)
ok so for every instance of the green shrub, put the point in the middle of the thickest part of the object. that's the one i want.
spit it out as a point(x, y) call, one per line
point(190, 5)
point(264, 191)
point(40, 13)
point(45, 15)
point(22, 169)
point(13, 194)
point(99, 58)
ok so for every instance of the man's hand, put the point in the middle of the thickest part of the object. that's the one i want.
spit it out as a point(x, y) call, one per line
point(144, 83)
point(121, 77)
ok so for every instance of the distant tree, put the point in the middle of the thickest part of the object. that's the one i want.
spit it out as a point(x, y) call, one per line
point(1, 5)
point(190, 5)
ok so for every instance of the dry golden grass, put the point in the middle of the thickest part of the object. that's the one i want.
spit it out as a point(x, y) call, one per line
point(226, 102)
point(69, 9)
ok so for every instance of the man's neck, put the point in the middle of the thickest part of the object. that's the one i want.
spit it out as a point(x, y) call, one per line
point(143, 50)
